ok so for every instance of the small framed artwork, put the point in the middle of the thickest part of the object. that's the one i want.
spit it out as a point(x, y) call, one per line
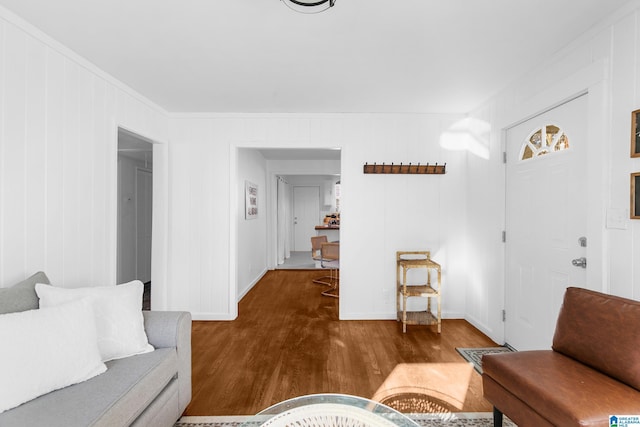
point(635, 195)
point(635, 134)
point(250, 200)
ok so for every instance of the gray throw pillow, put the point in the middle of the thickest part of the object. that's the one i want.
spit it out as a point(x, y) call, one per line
point(22, 296)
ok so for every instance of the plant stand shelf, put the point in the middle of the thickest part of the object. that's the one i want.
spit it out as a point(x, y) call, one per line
point(405, 261)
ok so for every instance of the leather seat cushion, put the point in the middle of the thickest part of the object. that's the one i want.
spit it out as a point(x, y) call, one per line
point(560, 388)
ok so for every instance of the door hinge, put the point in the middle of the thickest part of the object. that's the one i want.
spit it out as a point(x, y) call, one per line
point(504, 157)
point(504, 315)
point(504, 236)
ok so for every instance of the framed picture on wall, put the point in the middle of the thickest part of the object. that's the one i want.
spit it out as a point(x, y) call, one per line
point(635, 195)
point(635, 134)
point(250, 200)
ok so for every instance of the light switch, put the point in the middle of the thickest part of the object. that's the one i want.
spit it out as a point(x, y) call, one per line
point(617, 218)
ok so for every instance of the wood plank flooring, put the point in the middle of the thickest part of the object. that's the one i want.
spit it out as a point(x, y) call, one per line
point(287, 341)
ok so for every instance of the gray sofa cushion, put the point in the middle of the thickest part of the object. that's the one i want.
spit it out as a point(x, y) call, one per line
point(22, 296)
point(115, 398)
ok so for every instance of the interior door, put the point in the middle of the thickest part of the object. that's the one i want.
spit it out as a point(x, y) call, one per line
point(545, 221)
point(144, 186)
point(306, 215)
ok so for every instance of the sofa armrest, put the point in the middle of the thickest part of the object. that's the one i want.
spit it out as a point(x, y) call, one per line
point(173, 329)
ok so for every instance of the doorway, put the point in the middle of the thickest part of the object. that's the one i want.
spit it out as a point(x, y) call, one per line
point(546, 220)
point(303, 204)
point(135, 201)
point(306, 216)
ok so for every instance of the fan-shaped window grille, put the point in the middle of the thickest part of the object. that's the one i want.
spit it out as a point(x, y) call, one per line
point(547, 139)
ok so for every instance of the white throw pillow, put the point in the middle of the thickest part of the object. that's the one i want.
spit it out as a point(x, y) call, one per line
point(45, 350)
point(118, 312)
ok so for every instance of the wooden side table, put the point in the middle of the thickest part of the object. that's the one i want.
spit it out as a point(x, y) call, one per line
point(405, 261)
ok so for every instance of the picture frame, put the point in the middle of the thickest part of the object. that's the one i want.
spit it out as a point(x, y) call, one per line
point(635, 133)
point(635, 196)
point(250, 200)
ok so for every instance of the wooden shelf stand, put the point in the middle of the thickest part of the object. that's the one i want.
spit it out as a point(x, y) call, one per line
point(405, 261)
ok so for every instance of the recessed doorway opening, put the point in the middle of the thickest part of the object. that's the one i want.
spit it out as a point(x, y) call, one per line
point(135, 201)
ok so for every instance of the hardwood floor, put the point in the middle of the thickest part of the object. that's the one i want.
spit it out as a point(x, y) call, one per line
point(287, 341)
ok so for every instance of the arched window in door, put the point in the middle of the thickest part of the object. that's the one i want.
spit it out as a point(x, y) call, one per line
point(545, 140)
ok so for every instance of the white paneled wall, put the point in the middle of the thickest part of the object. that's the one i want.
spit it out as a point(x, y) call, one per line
point(58, 161)
point(252, 233)
point(58, 151)
point(380, 214)
point(604, 61)
point(200, 242)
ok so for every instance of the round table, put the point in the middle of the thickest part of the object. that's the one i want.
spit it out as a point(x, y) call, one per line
point(329, 410)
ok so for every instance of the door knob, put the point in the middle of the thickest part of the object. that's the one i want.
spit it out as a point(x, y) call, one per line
point(580, 262)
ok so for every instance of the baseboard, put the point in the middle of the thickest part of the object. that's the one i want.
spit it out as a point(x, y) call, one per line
point(252, 284)
point(482, 327)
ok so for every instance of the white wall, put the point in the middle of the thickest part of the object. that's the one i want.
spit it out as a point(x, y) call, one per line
point(252, 233)
point(623, 269)
point(603, 62)
point(58, 151)
point(380, 215)
point(58, 192)
point(58, 148)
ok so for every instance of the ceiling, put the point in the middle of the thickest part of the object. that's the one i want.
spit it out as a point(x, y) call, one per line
point(445, 56)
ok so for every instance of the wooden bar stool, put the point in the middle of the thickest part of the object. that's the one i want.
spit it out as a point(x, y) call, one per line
point(316, 254)
point(331, 260)
point(405, 261)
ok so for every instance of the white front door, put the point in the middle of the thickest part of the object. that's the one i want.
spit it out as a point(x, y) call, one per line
point(306, 215)
point(545, 218)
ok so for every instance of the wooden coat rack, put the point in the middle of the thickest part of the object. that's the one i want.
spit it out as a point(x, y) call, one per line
point(406, 169)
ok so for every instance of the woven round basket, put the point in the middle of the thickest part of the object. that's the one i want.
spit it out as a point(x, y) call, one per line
point(417, 403)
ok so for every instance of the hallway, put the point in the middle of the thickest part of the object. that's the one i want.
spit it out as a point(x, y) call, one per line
point(299, 260)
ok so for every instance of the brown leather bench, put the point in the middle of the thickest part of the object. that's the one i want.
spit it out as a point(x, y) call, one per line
point(592, 371)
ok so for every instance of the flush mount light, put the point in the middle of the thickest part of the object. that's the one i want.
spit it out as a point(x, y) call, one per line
point(309, 6)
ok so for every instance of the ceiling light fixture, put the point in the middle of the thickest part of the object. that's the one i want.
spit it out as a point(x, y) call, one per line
point(309, 6)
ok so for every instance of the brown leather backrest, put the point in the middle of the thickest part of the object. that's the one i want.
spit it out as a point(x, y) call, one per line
point(601, 331)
